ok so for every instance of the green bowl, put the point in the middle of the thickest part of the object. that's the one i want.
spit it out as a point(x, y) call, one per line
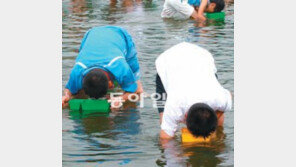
point(75, 104)
point(216, 15)
point(88, 106)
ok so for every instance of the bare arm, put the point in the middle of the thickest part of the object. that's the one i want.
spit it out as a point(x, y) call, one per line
point(140, 87)
point(201, 10)
point(198, 19)
point(220, 116)
point(165, 136)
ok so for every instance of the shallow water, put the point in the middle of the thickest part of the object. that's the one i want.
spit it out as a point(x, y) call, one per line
point(130, 137)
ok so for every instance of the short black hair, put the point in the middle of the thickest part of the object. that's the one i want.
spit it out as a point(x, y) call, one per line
point(95, 83)
point(220, 4)
point(201, 120)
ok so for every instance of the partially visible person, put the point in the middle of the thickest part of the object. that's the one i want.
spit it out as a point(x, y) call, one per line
point(184, 9)
point(78, 6)
point(106, 54)
point(229, 1)
point(126, 3)
point(186, 76)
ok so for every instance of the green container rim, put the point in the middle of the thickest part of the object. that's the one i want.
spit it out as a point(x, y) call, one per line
point(95, 105)
point(90, 105)
point(216, 15)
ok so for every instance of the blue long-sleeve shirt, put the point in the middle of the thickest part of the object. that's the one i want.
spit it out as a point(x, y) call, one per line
point(109, 48)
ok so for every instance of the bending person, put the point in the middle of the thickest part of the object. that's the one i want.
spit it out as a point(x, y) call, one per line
point(184, 9)
point(106, 54)
point(187, 77)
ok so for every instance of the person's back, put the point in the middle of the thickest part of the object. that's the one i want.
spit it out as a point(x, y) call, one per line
point(188, 69)
point(188, 75)
point(102, 44)
point(177, 9)
point(107, 54)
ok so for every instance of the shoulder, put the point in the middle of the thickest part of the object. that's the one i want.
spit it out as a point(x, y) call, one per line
point(77, 72)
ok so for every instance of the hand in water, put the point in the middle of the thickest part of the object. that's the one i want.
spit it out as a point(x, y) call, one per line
point(116, 102)
point(201, 18)
point(65, 100)
point(140, 87)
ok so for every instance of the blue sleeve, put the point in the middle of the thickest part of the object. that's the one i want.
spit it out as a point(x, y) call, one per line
point(131, 56)
point(75, 81)
point(124, 75)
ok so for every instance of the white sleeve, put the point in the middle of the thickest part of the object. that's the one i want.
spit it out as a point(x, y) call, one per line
point(182, 7)
point(229, 100)
point(169, 121)
point(226, 103)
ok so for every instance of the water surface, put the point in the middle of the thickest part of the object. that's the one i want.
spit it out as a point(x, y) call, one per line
point(130, 137)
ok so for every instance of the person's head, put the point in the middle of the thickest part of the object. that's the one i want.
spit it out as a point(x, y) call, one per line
point(95, 83)
point(201, 120)
point(215, 6)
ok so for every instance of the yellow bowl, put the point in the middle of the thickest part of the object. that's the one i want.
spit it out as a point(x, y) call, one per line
point(188, 137)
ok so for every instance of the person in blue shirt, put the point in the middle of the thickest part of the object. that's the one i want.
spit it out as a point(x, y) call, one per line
point(106, 54)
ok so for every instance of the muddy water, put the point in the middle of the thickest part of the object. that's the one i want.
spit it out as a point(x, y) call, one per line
point(130, 137)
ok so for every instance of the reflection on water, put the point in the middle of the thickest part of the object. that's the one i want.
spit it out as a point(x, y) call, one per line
point(176, 153)
point(130, 136)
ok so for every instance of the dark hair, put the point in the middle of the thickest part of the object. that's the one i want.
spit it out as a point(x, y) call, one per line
point(220, 4)
point(201, 120)
point(95, 84)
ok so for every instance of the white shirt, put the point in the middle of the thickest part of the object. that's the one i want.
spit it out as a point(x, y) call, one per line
point(177, 9)
point(187, 72)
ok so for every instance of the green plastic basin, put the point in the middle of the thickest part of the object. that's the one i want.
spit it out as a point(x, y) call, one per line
point(95, 106)
point(75, 104)
point(88, 106)
point(216, 15)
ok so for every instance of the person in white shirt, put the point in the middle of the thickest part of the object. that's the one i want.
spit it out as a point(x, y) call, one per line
point(184, 9)
point(186, 76)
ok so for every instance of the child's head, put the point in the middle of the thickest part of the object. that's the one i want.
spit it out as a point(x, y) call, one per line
point(201, 120)
point(95, 83)
point(215, 6)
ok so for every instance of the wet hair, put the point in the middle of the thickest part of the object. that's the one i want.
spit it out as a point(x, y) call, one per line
point(201, 120)
point(220, 4)
point(95, 84)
